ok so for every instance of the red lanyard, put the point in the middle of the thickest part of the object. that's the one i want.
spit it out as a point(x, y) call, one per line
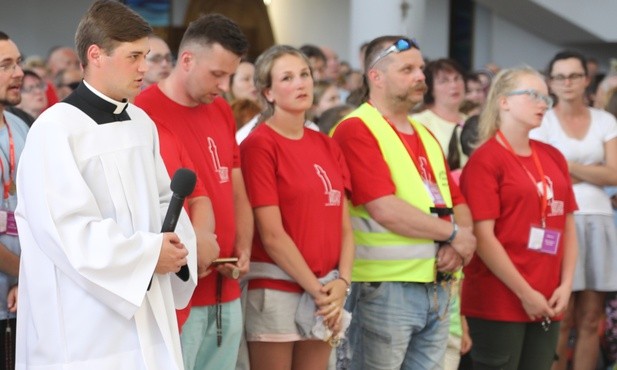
point(6, 183)
point(544, 195)
point(412, 154)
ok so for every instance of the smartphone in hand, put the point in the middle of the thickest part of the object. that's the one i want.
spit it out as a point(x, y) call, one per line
point(220, 261)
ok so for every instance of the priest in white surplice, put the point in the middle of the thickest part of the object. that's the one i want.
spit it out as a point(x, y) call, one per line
point(93, 192)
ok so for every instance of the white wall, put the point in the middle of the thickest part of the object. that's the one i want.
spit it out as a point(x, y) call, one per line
point(512, 46)
point(371, 19)
point(435, 39)
point(318, 22)
point(482, 36)
point(596, 17)
point(499, 41)
point(426, 21)
point(345, 24)
point(37, 25)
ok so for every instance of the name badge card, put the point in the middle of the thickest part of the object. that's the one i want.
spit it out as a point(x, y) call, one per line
point(543, 240)
point(11, 224)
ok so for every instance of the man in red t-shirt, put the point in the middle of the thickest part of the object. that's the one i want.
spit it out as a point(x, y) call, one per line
point(400, 182)
point(189, 104)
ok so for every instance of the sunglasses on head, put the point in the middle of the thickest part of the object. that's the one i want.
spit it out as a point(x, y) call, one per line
point(398, 46)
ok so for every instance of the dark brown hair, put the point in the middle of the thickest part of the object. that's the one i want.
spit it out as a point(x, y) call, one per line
point(431, 70)
point(106, 24)
point(566, 54)
point(215, 29)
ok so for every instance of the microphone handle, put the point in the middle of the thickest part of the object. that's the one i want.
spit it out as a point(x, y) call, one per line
point(169, 225)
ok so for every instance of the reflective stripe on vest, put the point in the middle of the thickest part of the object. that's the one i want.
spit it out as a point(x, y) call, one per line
point(380, 254)
point(368, 228)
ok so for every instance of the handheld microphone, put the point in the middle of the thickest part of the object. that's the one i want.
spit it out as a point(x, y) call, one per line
point(182, 185)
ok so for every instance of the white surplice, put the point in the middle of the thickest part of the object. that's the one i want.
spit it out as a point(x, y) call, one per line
point(91, 203)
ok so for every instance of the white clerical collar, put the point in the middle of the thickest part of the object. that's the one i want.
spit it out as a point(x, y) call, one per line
point(120, 105)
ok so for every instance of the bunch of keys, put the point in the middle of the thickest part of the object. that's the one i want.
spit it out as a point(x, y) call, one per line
point(334, 340)
point(546, 323)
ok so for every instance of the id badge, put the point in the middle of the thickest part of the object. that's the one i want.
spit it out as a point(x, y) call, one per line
point(433, 191)
point(543, 240)
point(11, 223)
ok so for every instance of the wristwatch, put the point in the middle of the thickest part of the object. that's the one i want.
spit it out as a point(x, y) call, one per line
point(453, 235)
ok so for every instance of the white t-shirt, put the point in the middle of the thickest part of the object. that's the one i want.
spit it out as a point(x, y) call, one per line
point(591, 198)
point(442, 130)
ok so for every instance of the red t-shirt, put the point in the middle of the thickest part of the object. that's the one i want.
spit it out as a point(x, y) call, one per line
point(175, 156)
point(52, 96)
point(207, 132)
point(370, 174)
point(307, 179)
point(497, 188)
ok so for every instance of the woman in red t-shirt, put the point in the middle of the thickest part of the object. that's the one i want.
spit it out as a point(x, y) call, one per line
point(521, 199)
point(302, 254)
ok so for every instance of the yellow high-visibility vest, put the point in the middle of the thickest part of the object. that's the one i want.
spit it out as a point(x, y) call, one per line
point(382, 255)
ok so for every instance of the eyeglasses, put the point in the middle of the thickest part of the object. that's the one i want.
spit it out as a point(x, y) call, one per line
point(9, 67)
point(159, 58)
point(533, 94)
point(42, 86)
point(572, 77)
point(397, 47)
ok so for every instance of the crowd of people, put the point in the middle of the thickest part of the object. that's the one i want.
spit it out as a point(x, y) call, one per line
point(401, 216)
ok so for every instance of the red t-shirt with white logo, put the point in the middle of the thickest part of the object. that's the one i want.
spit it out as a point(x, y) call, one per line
point(308, 180)
point(207, 132)
point(497, 187)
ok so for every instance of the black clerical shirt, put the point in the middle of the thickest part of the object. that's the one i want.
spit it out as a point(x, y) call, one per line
point(97, 108)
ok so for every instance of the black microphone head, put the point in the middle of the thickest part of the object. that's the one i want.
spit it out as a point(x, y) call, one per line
point(183, 182)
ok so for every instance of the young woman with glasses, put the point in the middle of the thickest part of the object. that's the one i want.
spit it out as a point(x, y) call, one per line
point(587, 137)
point(521, 199)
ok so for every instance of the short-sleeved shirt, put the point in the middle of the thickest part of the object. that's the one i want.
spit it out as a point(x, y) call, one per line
point(175, 157)
point(19, 130)
point(308, 180)
point(207, 133)
point(442, 130)
point(589, 150)
point(497, 187)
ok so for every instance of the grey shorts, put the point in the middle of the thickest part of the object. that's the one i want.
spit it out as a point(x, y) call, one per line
point(270, 316)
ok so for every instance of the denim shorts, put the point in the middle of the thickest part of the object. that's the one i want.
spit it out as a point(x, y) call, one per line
point(399, 325)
